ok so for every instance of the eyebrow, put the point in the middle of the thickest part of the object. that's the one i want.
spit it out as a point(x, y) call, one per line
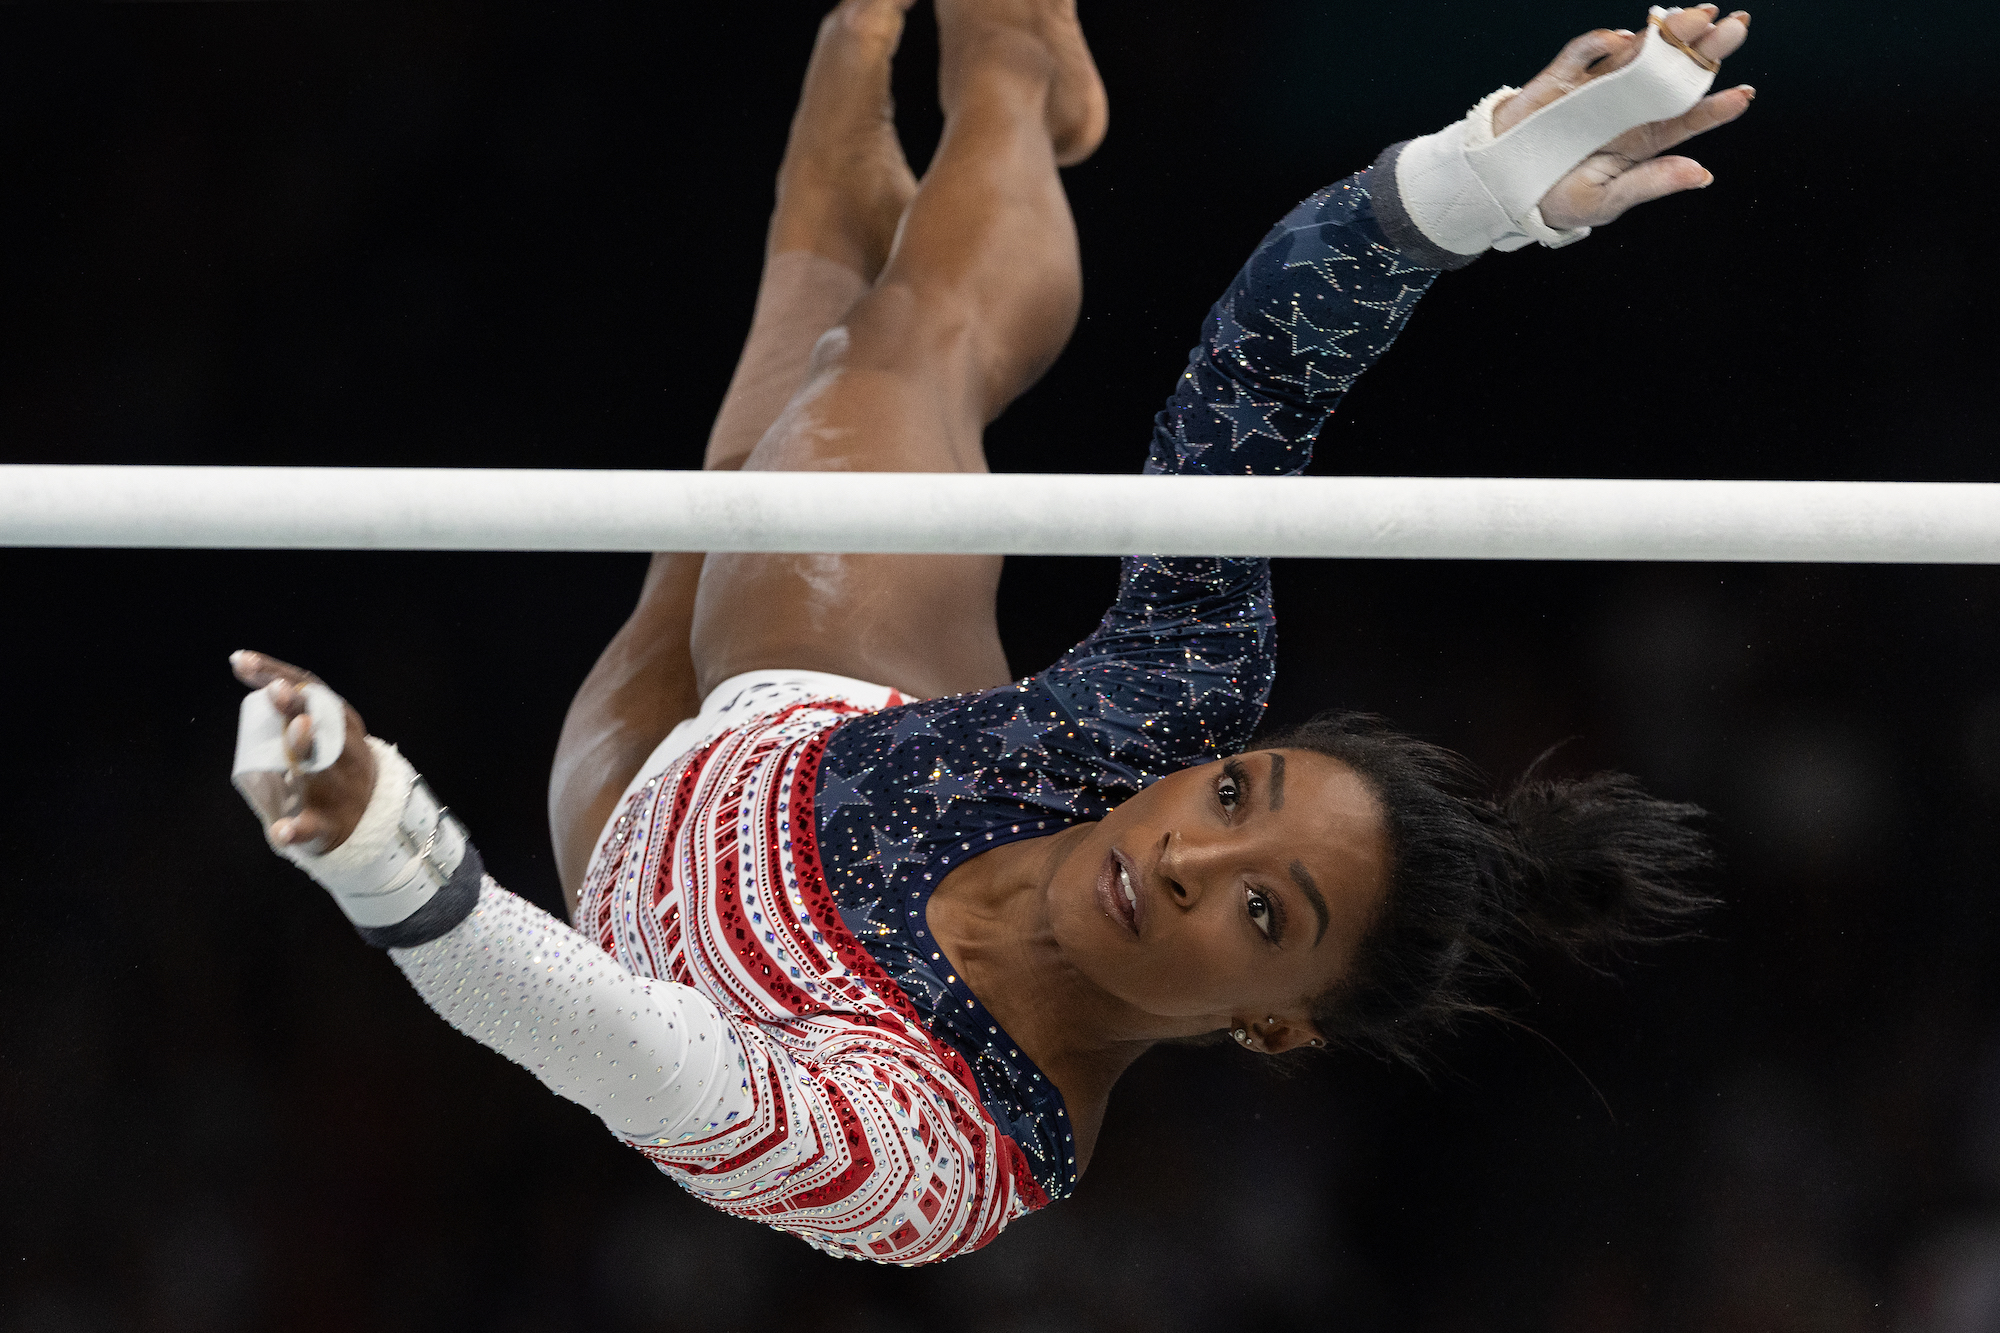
point(1277, 781)
point(1303, 878)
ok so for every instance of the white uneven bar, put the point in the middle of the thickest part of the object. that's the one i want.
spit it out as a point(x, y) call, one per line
point(1471, 518)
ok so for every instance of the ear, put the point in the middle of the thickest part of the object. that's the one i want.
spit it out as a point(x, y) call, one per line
point(1274, 1034)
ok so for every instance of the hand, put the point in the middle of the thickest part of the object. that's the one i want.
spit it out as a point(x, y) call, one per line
point(320, 810)
point(1629, 170)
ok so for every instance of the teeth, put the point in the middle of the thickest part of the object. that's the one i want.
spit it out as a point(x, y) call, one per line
point(1125, 883)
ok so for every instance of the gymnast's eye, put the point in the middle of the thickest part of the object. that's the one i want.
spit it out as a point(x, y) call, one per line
point(1229, 787)
point(1262, 914)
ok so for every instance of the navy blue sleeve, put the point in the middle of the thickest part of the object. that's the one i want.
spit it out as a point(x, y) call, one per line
point(1175, 675)
point(1178, 671)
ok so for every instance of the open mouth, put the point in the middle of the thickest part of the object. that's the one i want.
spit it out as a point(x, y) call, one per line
point(1118, 892)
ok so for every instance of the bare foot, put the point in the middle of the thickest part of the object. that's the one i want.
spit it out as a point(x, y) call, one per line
point(1628, 170)
point(844, 183)
point(1077, 112)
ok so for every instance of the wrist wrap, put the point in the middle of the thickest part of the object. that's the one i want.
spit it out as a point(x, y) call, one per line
point(408, 873)
point(1467, 190)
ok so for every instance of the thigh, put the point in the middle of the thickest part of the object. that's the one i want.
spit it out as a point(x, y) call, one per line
point(645, 682)
point(642, 686)
point(889, 393)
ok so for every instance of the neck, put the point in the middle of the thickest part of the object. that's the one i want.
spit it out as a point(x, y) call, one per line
point(990, 917)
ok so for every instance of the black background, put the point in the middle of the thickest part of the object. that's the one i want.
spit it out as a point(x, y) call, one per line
point(465, 235)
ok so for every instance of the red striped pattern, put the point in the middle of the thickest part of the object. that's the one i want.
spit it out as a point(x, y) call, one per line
point(868, 1137)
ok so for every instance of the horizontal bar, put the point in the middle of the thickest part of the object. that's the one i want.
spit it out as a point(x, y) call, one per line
point(1453, 518)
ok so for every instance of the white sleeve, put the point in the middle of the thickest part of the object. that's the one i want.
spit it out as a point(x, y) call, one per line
point(654, 1060)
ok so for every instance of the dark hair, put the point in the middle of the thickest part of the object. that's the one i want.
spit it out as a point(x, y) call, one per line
point(1586, 865)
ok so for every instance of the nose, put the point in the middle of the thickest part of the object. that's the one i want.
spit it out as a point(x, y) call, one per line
point(1190, 867)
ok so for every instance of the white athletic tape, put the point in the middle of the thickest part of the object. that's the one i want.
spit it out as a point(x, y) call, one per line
point(260, 733)
point(401, 853)
point(1468, 190)
point(1393, 518)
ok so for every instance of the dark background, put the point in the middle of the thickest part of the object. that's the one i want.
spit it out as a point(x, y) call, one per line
point(461, 234)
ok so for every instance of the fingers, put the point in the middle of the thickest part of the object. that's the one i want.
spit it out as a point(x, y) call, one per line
point(329, 804)
point(1598, 53)
point(1692, 24)
point(1648, 181)
point(1699, 29)
point(1716, 109)
point(308, 830)
point(299, 737)
point(1578, 61)
point(1721, 41)
point(258, 669)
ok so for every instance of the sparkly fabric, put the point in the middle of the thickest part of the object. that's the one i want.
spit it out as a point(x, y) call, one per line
point(1175, 675)
point(863, 1132)
point(655, 1061)
point(780, 870)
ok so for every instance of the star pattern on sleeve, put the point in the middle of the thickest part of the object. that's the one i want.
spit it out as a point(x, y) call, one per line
point(1175, 675)
point(1311, 249)
point(1186, 450)
point(1398, 264)
point(1204, 678)
point(1318, 383)
point(1397, 307)
point(1230, 335)
point(1249, 416)
point(1309, 338)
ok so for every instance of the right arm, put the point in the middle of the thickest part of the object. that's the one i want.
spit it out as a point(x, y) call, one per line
point(852, 1131)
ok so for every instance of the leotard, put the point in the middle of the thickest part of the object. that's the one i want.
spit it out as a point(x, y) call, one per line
point(751, 997)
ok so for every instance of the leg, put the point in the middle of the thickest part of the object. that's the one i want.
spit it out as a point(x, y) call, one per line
point(977, 299)
point(841, 189)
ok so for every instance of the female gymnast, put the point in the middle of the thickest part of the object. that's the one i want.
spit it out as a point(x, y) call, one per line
point(864, 933)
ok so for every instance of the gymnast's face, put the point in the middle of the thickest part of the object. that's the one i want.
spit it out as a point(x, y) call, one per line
point(1227, 895)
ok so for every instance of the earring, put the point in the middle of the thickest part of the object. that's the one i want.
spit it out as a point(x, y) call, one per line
point(1242, 1037)
point(1315, 1042)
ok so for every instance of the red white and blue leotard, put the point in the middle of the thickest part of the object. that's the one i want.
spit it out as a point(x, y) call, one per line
point(857, 1093)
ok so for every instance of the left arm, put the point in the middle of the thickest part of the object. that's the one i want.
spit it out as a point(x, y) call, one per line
point(1178, 670)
